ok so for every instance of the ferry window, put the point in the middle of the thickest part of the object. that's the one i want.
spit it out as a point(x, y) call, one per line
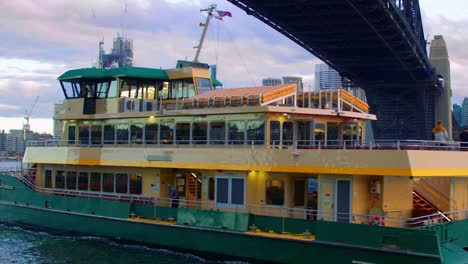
point(125, 90)
point(288, 133)
point(182, 133)
point(135, 184)
point(304, 132)
point(95, 182)
point(236, 132)
point(275, 192)
point(256, 132)
point(71, 180)
point(319, 134)
point(83, 181)
point(122, 133)
point(164, 92)
point(71, 134)
point(96, 135)
point(102, 89)
point(109, 134)
point(217, 132)
point(275, 128)
point(134, 91)
point(136, 133)
point(59, 179)
point(349, 133)
point(151, 134)
point(332, 133)
point(108, 182)
point(167, 133)
point(150, 91)
point(48, 178)
point(211, 189)
point(203, 85)
point(88, 90)
point(230, 191)
point(84, 135)
point(112, 90)
point(199, 132)
point(121, 183)
point(182, 88)
point(69, 90)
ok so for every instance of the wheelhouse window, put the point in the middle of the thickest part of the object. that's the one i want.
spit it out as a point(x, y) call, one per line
point(109, 134)
point(319, 132)
point(217, 133)
point(349, 133)
point(113, 89)
point(60, 179)
point(256, 132)
point(288, 133)
point(122, 133)
point(108, 182)
point(102, 89)
point(183, 133)
point(70, 89)
point(275, 133)
point(71, 180)
point(236, 132)
point(83, 181)
point(136, 184)
point(136, 133)
point(275, 192)
point(333, 136)
point(199, 132)
point(304, 132)
point(121, 183)
point(230, 191)
point(151, 134)
point(71, 134)
point(95, 182)
point(84, 135)
point(167, 133)
point(48, 178)
point(203, 85)
point(96, 135)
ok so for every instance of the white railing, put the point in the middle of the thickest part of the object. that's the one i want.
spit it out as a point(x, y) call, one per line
point(297, 144)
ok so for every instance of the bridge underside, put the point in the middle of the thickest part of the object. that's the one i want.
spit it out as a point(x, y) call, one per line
point(378, 44)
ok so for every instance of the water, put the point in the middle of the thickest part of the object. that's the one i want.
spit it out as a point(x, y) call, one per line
point(18, 245)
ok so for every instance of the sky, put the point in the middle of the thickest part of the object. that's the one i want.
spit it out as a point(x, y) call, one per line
point(43, 39)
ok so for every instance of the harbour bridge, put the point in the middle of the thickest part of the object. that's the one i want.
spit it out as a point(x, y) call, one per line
point(378, 44)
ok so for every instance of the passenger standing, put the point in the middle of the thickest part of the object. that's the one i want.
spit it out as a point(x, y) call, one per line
point(440, 132)
point(464, 138)
point(174, 194)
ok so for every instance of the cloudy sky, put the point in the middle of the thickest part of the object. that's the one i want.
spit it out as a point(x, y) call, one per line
point(42, 39)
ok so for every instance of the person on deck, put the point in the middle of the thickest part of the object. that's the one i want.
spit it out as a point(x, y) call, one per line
point(174, 194)
point(440, 132)
point(464, 138)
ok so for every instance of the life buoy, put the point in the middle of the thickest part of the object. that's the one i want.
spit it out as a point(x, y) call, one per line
point(376, 220)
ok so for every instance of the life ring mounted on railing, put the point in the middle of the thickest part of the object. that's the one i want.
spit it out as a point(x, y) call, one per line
point(377, 220)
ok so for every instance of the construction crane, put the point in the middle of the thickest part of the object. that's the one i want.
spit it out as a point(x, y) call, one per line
point(27, 115)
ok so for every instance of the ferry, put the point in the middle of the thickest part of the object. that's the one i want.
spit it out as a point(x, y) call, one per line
point(268, 174)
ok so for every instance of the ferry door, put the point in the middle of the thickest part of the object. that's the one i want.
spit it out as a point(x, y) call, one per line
point(326, 199)
point(343, 201)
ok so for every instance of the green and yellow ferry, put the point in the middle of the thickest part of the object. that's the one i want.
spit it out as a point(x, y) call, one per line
point(269, 174)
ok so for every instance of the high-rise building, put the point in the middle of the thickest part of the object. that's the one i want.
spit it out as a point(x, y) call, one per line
point(296, 80)
point(16, 141)
point(121, 54)
point(326, 77)
point(271, 81)
point(439, 58)
point(465, 112)
point(457, 113)
point(3, 140)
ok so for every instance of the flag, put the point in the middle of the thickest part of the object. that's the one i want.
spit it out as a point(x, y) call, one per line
point(224, 13)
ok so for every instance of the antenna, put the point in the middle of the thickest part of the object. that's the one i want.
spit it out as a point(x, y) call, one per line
point(210, 10)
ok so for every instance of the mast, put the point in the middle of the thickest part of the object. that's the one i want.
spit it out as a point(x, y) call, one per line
point(205, 28)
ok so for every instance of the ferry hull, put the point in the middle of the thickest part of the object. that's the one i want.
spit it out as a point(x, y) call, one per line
point(16, 209)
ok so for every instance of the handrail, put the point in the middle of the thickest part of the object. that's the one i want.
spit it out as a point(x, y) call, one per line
point(433, 194)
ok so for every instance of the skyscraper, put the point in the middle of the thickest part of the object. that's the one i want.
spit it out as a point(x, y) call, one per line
point(3, 140)
point(439, 58)
point(294, 79)
point(457, 113)
point(465, 112)
point(326, 77)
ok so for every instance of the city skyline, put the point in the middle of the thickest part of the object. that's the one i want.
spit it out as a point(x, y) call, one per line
point(42, 41)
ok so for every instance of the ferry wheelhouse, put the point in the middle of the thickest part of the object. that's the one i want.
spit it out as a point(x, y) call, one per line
point(272, 173)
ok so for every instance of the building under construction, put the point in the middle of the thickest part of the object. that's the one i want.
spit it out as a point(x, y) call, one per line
point(121, 54)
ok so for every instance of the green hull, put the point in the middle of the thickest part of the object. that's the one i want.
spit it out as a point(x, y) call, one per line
point(335, 242)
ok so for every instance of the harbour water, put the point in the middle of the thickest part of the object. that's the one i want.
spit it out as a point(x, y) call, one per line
point(18, 245)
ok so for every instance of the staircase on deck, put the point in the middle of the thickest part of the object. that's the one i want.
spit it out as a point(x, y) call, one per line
point(429, 199)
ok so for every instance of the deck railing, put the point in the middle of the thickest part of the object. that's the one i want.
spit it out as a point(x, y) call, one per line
point(297, 144)
point(388, 218)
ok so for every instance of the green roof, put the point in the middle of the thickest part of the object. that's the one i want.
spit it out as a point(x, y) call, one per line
point(131, 72)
